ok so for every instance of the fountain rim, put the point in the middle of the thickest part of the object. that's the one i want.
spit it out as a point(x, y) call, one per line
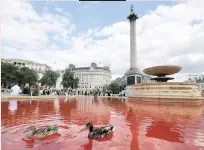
point(166, 83)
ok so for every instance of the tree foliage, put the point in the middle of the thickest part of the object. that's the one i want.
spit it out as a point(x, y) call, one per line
point(122, 87)
point(68, 80)
point(114, 87)
point(9, 73)
point(49, 78)
point(76, 81)
point(26, 75)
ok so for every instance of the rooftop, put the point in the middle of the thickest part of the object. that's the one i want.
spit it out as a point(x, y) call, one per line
point(92, 66)
point(23, 60)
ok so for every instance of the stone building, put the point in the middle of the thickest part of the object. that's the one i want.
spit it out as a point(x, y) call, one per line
point(197, 79)
point(91, 77)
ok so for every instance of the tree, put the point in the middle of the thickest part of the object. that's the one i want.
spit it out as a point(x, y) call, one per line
point(76, 81)
point(26, 75)
point(105, 88)
point(9, 73)
point(122, 87)
point(114, 87)
point(68, 80)
point(49, 78)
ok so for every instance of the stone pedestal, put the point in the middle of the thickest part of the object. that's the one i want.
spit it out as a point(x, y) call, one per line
point(133, 76)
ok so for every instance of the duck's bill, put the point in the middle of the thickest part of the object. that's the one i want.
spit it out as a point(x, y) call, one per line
point(28, 129)
point(83, 129)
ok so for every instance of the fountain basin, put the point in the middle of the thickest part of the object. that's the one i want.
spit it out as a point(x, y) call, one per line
point(167, 92)
point(162, 70)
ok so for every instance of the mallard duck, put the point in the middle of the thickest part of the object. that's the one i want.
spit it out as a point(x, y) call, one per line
point(98, 132)
point(41, 132)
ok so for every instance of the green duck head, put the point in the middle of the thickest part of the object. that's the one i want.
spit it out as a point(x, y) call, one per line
point(89, 126)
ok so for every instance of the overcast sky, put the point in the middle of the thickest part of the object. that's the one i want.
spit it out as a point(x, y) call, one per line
point(168, 33)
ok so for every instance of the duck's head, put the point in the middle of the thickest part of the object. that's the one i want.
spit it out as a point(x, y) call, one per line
point(89, 126)
point(31, 128)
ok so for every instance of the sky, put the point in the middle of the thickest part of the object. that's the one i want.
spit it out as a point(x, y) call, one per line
point(62, 33)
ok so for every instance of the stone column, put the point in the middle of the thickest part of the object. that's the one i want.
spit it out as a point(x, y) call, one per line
point(133, 72)
point(133, 63)
point(132, 18)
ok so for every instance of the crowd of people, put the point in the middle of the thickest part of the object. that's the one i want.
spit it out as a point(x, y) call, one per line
point(34, 90)
point(37, 90)
point(26, 90)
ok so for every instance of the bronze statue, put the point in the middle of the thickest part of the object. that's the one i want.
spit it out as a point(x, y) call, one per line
point(131, 9)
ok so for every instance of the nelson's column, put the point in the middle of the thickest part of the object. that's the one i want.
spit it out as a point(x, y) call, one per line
point(133, 75)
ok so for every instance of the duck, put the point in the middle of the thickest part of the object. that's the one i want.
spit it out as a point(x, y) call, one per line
point(100, 132)
point(41, 132)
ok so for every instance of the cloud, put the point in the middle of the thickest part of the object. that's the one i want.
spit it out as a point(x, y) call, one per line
point(170, 35)
point(22, 25)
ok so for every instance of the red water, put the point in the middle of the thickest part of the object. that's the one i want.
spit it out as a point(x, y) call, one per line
point(138, 125)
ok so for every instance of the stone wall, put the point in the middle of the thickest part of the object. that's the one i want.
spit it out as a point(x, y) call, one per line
point(168, 92)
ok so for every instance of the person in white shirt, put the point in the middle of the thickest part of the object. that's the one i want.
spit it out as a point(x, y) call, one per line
point(15, 90)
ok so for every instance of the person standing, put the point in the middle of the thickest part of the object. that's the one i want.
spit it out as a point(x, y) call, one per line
point(36, 90)
point(26, 89)
point(15, 90)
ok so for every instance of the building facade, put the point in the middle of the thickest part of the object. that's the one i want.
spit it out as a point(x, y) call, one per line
point(92, 77)
point(197, 79)
point(120, 81)
point(38, 67)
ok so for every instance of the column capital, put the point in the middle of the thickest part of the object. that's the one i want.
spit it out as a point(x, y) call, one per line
point(132, 16)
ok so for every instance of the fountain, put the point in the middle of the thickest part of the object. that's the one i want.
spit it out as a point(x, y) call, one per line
point(161, 72)
point(163, 91)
